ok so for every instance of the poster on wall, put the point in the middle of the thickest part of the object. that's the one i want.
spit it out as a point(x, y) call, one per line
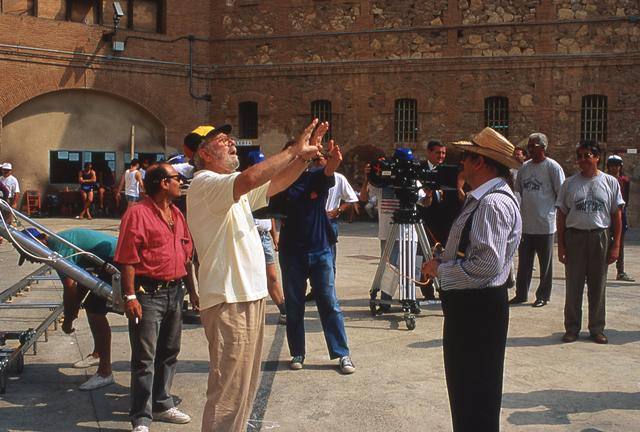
point(63, 155)
point(74, 157)
point(112, 165)
point(86, 157)
point(109, 156)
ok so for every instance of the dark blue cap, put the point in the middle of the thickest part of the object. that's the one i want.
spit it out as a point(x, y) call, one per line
point(403, 153)
point(31, 232)
point(255, 157)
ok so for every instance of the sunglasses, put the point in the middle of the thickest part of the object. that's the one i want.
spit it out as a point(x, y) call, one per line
point(175, 177)
point(586, 155)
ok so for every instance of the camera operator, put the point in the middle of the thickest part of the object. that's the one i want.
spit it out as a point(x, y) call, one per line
point(439, 208)
point(473, 272)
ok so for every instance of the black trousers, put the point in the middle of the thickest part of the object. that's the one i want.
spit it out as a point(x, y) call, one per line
point(474, 339)
point(530, 245)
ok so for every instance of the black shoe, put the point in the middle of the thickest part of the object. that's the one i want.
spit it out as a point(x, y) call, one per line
point(517, 300)
point(570, 337)
point(539, 303)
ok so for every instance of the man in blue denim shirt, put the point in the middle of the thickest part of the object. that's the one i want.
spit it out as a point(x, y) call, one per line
point(305, 244)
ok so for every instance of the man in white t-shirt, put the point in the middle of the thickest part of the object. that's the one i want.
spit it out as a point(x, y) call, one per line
point(538, 182)
point(231, 278)
point(589, 206)
point(11, 183)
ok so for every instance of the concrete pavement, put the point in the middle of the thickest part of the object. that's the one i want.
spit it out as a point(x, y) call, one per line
point(399, 383)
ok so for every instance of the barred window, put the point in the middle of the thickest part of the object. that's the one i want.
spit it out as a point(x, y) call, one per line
point(248, 120)
point(496, 114)
point(593, 125)
point(321, 109)
point(406, 120)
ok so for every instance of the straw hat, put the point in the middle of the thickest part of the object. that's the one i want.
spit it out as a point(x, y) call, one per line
point(491, 144)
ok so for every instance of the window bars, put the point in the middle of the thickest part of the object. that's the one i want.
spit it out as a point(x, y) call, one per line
point(593, 125)
point(406, 121)
point(496, 114)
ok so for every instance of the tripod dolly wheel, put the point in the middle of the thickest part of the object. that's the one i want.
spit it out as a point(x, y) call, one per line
point(410, 321)
point(373, 308)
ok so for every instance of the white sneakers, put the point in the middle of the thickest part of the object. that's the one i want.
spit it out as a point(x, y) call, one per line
point(140, 429)
point(86, 362)
point(96, 381)
point(172, 415)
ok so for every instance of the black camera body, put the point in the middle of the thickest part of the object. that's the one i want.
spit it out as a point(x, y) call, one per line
point(407, 177)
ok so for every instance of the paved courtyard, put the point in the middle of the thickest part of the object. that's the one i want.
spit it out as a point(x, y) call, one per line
point(399, 384)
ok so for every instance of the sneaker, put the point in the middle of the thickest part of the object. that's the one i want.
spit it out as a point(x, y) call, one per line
point(172, 415)
point(624, 277)
point(140, 428)
point(346, 365)
point(296, 362)
point(86, 362)
point(96, 381)
point(283, 319)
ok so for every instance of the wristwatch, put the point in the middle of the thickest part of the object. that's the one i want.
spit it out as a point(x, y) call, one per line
point(130, 297)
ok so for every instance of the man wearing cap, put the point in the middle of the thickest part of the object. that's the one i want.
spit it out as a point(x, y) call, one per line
point(473, 272)
point(154, 252)
point(614, 168)
point(11, 183)
point(538, 182)
point(590, 213)
point(231, 276)
point(74, 295)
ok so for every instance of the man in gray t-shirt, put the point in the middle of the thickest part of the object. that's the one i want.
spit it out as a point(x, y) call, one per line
point(538, 183)
point(589, 206)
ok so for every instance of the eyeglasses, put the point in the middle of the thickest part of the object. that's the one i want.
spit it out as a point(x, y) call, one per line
point(586, 155)
point(175, 177)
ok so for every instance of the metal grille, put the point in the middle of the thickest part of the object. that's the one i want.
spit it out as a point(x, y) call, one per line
point(406, 121)
point(248, 120)
point(321, 109)
point(496, 114)
point(593, 125)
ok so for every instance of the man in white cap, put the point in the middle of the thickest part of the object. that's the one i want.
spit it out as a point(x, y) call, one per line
point(614, 168)
point(11, 183)
point(473, 272)
point(538, 182)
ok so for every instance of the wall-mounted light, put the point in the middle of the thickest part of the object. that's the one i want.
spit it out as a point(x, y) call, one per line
point(118, 13)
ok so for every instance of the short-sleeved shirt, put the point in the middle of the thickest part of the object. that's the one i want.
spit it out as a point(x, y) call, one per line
point(98, 243)
point(539, 185)
point(307, 227)
point(146, 242)
point(342, 191)
point(588, 202)
point(232, 265)
point(12, 184)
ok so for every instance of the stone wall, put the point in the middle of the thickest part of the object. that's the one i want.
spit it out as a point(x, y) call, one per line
point(481, 12)
point(509, 41)
point(408, 13)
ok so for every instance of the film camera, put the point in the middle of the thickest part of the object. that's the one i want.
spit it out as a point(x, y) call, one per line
point(407, 176)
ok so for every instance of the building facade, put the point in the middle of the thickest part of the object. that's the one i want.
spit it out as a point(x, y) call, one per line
point(386, 73)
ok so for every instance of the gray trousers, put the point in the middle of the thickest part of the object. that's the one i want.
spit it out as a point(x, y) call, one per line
point(586, 260)
point(155, 345)
point(530, 245)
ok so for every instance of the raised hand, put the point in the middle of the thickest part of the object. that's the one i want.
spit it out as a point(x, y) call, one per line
point(306, 144)
point(334, 158)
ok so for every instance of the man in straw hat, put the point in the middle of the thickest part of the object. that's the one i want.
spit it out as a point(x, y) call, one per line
point(473, 273)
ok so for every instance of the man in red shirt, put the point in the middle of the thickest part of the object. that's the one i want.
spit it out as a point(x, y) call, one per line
point(154, 252)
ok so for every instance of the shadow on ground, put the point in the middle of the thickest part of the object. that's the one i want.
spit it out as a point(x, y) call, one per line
point(559, 404)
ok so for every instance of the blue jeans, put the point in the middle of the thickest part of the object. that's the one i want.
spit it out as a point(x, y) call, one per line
point(318, 268)
point(334, 251)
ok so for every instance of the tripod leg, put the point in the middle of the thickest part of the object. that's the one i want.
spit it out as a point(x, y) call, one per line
point(384, 259)
point(426, 248)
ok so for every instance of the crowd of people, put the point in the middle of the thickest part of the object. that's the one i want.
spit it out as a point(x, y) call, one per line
point(193, 226)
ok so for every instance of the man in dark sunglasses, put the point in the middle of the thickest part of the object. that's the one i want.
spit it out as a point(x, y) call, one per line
point(589, 207)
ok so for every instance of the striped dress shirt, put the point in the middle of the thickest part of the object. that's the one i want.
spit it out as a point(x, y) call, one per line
point(493, 240)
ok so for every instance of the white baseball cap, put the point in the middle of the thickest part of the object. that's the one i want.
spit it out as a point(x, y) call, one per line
point(7, 166)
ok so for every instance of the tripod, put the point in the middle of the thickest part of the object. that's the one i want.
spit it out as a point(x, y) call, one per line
point(408, 231)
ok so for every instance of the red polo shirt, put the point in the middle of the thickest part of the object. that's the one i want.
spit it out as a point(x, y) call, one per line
point(147, 242)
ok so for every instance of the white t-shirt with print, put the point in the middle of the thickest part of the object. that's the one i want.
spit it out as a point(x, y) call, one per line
point(342, 190)
point(588, 202)
point(539, 185)
point(226, 238)
point(12, 184)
